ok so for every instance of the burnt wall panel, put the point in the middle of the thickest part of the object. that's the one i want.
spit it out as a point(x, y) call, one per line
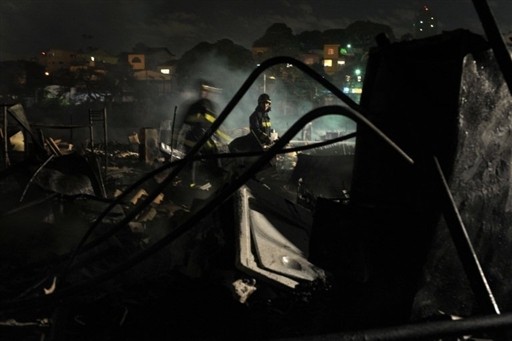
point(411, 92)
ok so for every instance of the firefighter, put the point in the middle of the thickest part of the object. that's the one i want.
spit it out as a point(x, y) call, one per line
point(198, 119)
point(259, 122)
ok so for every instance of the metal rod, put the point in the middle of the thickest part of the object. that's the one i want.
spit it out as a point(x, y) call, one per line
point(105, 138)
point(7, 162)
point(465, 250)
point(434, 330)
point(172, 131)
point(34, 176)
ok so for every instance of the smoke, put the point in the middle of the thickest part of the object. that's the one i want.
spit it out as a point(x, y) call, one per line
point(290, 99)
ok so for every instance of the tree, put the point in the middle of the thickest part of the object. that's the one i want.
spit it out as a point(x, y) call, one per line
point(311, 40)
point(224, 62)
point(20, 78)
point(140, 48)
point(363, 33)
point(280, 40)
point(335, 36)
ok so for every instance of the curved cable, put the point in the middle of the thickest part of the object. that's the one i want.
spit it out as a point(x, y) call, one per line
point(224, 194)
point(195, 149)
point(206, 136)
point(34, 176)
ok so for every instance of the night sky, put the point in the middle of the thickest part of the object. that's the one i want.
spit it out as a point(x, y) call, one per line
point(30, 26)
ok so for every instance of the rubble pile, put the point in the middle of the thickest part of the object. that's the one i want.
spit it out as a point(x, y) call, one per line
point(87, 253)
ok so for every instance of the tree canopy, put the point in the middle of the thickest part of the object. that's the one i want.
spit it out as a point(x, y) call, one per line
point(214, 61)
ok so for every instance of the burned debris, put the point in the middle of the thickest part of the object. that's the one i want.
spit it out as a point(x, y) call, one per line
point(113, 229)
point(297, 240)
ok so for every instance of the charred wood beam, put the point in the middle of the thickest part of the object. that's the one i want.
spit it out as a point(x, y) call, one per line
point(18, 113)
point(495, 38)
point(54, 148)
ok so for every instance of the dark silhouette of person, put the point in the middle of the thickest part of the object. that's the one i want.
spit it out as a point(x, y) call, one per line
point(198, 119)
point(259, 121)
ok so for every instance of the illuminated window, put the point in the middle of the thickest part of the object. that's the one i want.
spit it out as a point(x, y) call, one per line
point(341, 62)
point(328, 62)
point(330, 51)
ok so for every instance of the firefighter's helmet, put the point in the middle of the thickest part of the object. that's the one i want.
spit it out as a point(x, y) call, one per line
point(205, 85)
point(264, 98)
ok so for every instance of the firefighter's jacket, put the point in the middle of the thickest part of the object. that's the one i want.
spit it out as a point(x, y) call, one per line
point(260, 126)
point(198, 120)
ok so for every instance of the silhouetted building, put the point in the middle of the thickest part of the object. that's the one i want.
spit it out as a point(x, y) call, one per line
point(57, 59)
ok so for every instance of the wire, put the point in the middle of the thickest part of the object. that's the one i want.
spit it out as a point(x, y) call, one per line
point(217, 200)
point(34, 176)
point(350, 111)
point(196, 148)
